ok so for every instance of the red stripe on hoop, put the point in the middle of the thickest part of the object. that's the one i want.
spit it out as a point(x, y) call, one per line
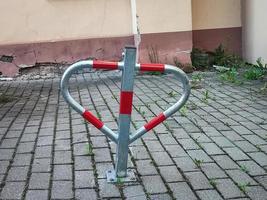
point(155, 121)
point(99, 64)
point(126, 102)
point(152, 67)
point(92, 119)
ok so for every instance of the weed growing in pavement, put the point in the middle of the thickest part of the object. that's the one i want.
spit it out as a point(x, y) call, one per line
point(172, 94)
point(184, 111)
point(243, 168)
point(206, 96)
point(198, 162)
point(231, 76)
point(89, 149)
point(243, 186)
point(5, 99)
point(213, 182)
point(254, 73)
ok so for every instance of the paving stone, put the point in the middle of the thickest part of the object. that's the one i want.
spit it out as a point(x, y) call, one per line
point(246, 146)
point(62, 172)
point(6, 154)
point(232, 136)
point(240, 177)
point(102, 155)
point(256, 193)
point(170, 174)
point(22, 160)
point(43, 152)
point(160, 197)
point(175, 151)
point(199, 155)
point(146, 167)
point(99, 142)
point(253, 168)
point(37, 194)
point(84, 179)
point(62, 157)
point(154, 184)
point(108, 190)
point(198, 180)
point(39, 181)
point(185, 164)
point(9, 143)
point(135, 192)
point(188, 144)
point(28, 138)
point(225, 162)
point(102, 168)
point(3, 166)
point(241, 130)
point(262, 180)
point(62, 190)
point(84, 194)
point(80, 149)
point(45, 140)
point(209, 195)
point(254, 139)
point(162, 158)
point(41, 165)
point(62, 145)
point(182, 191)
point(154, 146)
point(212, 149)
point(259, 157)
point(228, 189)
point(12, 190)
point(25, 147)
point(236, 154)
point(212, 170)
point(139, 152)
point(18, 173)
point(83, 163)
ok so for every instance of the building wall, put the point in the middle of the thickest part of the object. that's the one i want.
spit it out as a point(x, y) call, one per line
point(57, 20)
point(215, 22)
point(255, 30)
point(165, 26)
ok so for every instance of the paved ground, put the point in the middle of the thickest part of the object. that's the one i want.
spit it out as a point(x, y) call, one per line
point(215, 149)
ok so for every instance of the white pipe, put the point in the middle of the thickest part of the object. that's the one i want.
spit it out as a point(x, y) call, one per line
point(137, 38)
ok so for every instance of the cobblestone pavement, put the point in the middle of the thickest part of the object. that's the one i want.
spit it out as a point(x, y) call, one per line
point(215, 148)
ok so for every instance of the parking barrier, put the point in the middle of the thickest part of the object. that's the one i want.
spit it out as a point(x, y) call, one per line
point(123, 138)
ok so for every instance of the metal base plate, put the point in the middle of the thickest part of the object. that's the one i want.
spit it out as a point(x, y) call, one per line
point(111, 177)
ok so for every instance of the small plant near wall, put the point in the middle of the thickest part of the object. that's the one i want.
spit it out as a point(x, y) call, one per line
point(231, 76)
point(256, 72)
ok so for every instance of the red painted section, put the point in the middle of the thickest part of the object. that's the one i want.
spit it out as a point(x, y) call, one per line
point(126, 102)
point(165, 47)
point(155, 121)
point(92, 119)
point(209, 39)
point(99, 64)
point(152, 67)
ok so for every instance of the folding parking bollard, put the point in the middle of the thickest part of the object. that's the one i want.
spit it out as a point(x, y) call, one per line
point(123, 138)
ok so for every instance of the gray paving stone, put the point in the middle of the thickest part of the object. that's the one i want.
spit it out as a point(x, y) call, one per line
point(154, 184)
point(240, 177)
point(188, 144)
point(62, 172)
point(241, 130)
point(228, 189)
point(6, 154)
point(12, 190)
point(37, 194)
point(160, 197)
point(175, 151)
point(135, 192)
point(18, 173)
point(22, 160)
point(225, 162)
point(84, 194)
point(198, 180)
point(82, 163)
point(162, 158)
point(39, 181)
point(45, 140)
point(209, 195)
point(246, 146)
point(84, 179)
point(3, 166)
point(43, 152)
point(254, 139)
point(212, 149)
point(62, 145)
point(236, 154)
point(62, 157)
point(61, 190)
point(199, 155)
point(146, 167)
point(182, 191)
point(253, 168)
point(212, 170)
point(139, 152)
point(259, 157)
point(170, 174)
point(256, 193)
point(154, 146)
point(41, 165)
point(262, 180)
point(185, 164)
point(102, 155)
point(108, 190)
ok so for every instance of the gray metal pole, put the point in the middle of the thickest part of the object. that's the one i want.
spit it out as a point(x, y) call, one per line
point(126, 98)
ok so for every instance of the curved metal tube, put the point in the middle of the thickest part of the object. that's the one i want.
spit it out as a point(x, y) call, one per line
point(180, 75)
point(64, 85)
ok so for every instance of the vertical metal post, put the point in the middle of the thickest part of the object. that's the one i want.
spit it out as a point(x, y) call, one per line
point(126, 98)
